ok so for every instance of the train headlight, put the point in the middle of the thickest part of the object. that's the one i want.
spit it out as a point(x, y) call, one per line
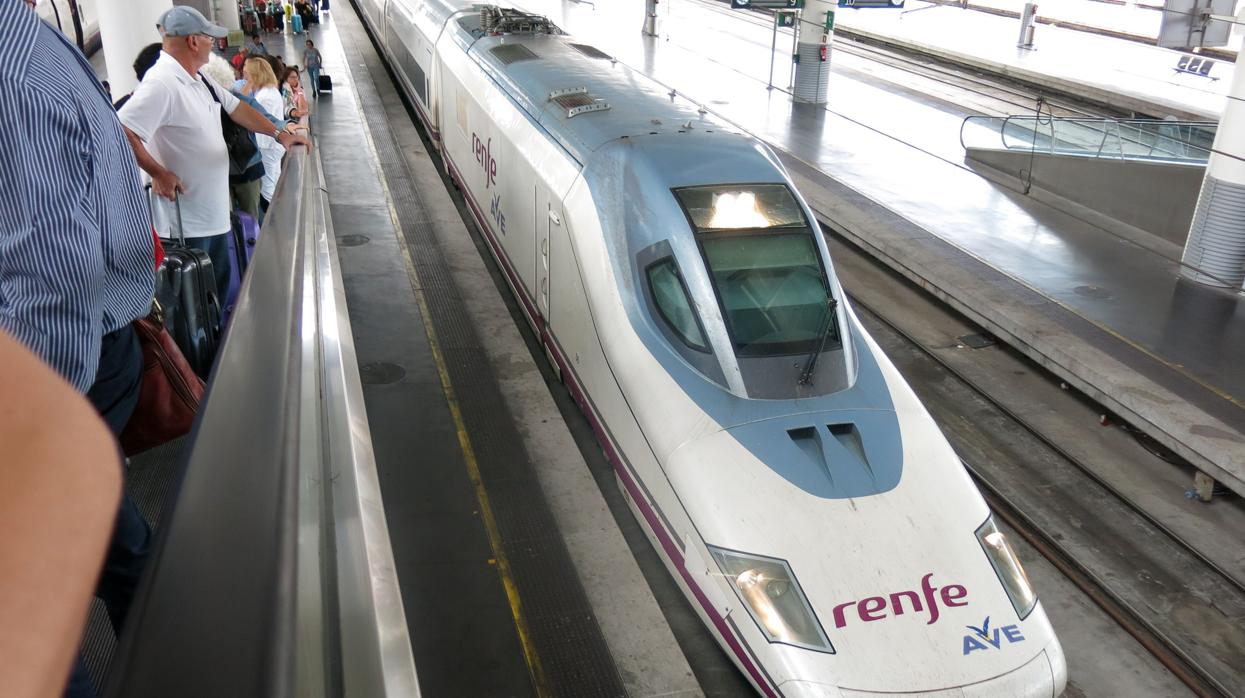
point(773, 598)
point(1007, 567)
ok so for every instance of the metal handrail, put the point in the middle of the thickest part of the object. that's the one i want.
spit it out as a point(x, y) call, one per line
point(273, 574)
point(1131, 139)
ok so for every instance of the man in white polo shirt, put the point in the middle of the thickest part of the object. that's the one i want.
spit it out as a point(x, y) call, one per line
point(173, 123)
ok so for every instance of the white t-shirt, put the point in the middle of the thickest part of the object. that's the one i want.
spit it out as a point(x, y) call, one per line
point(176, 117)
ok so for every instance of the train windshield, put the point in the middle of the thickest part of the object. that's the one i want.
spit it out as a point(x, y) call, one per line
point(765, 268)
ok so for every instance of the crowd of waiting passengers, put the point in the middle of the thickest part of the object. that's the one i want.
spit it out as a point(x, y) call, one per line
point(102, 207)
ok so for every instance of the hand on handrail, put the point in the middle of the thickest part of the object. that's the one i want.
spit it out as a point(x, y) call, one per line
point(287, 139)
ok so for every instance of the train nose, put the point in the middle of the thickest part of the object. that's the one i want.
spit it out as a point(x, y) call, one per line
point(1043, 676)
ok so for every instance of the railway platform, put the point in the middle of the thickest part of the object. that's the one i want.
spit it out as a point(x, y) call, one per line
point(515, 578)
point(1101, 69)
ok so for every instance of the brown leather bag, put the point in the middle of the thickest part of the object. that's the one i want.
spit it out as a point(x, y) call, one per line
point(170, 392)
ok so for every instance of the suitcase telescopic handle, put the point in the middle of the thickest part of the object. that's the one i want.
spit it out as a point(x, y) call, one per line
point(177, 206)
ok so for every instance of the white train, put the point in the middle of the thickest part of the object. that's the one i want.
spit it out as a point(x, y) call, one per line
point(75, 18)
point(798, 492)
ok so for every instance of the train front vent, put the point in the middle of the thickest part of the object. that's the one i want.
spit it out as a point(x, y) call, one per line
point(591, 51)
point(576, 101)
point(513, 53)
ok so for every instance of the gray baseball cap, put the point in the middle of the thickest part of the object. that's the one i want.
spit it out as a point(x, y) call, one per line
point(187, 21)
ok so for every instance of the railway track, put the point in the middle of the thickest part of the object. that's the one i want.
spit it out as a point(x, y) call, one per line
point(1182, 608)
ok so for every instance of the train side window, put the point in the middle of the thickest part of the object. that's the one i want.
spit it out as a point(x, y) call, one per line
point(670, 297)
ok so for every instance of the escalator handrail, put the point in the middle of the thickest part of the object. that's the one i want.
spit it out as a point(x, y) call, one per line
point(263, 582)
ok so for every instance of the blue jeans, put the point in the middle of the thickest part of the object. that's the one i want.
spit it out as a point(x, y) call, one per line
point(217, 247)
point(315, 79)
point(115, 394)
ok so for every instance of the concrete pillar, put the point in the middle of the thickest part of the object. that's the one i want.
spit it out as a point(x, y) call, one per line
point(225, 13)
point(812, 68)
point(1028, 18)
point(650, 17)
point(1214, 253)
point(125, 26)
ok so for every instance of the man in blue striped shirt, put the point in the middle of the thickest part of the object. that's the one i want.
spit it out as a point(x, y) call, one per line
point(76, 265)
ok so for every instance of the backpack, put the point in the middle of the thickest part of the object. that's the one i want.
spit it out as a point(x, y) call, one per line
point(237, 139)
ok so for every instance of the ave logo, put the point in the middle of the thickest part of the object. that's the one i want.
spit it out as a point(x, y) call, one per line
point(496, 212)
point(983, 638)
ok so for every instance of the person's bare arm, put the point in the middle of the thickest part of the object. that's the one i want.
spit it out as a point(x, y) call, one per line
point(61, 477)
point(247, 117)
point(163, 180)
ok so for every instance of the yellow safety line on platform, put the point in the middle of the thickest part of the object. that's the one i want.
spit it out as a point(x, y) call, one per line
point(530, 656)
point(473, 471)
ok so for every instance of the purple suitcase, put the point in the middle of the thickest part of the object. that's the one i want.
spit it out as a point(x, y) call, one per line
point(242, 240)
point(247, 231)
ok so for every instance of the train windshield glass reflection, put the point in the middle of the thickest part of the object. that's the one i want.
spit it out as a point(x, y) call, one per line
point(740, 207)
point(765, 267)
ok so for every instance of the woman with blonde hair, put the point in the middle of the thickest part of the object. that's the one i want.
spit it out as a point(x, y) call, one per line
point(245, 186)
point(261, 83)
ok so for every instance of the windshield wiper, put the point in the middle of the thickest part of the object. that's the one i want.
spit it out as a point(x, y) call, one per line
point(827, 324)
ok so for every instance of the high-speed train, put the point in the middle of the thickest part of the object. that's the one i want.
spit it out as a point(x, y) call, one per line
point(75, 18)
point(796, 489)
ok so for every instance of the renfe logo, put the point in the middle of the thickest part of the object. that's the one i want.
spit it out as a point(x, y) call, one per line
point(484, 156)
point(982, 639)
point(876, 607)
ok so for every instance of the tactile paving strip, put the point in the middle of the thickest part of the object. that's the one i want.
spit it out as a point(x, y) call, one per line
point(564, 630)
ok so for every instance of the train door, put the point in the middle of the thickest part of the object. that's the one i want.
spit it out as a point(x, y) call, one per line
point(548, 208)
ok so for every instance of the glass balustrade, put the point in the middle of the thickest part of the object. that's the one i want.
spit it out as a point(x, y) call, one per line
point(1120, 139)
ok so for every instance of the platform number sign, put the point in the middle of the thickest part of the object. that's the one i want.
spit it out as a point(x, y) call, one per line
point(767, 4)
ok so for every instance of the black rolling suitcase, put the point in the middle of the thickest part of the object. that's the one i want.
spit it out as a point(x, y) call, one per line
point(250, 23)
point(326, 84)
point(186, 291)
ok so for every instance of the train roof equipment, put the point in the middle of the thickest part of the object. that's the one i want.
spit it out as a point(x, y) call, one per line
point(580, 95)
